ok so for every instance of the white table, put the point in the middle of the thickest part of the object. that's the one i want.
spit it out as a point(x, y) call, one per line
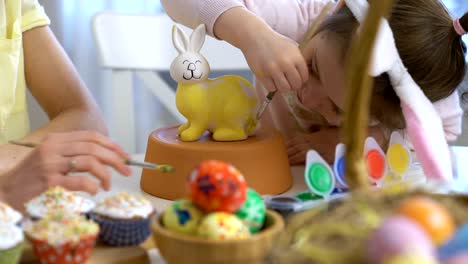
point(132, 184)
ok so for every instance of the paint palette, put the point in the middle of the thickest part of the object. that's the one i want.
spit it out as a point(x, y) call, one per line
point(375, 160)
point(398, 156)
point(318, 175)
point(339, 166)
point(326, 184)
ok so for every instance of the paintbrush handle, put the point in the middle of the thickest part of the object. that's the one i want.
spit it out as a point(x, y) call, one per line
point(145, 165)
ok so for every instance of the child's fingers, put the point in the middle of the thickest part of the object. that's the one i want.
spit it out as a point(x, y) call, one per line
point(281, 83)
point(303, 70)
point(294, 78)
point(268, 84)
point(298, 157)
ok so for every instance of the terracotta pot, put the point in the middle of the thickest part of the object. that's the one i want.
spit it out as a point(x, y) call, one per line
point(262, 160)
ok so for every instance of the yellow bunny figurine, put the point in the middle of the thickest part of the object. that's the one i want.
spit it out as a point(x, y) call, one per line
point(224, 105)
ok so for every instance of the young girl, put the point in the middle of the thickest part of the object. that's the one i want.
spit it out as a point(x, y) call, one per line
point(312, 83)
point(30, 56)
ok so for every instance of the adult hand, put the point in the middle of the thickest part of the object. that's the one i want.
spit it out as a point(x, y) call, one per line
point(57, 156)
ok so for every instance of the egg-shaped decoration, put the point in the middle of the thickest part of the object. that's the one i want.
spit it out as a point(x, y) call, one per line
point(217, 186)
point(252, 213)
point(222, 226)
point(435, 219)
point(182, 216)
point(461, 258)
point(398, 236)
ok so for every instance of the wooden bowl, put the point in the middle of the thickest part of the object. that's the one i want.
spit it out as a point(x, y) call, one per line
point(180, 249)
point(262, 159)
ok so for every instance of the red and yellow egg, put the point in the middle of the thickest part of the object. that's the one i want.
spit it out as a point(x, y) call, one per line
point(217, 186)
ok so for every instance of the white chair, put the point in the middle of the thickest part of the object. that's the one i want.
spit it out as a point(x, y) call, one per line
point(142, 45)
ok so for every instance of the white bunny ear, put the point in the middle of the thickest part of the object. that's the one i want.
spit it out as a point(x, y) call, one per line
point(179, 39)
point(197, 39)
point(385, 53)
point(358, 8)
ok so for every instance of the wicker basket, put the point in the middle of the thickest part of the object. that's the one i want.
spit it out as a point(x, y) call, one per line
point(181, 249)
point(338, 233)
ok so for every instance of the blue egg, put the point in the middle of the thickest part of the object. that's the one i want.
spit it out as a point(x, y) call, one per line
point(456, 245)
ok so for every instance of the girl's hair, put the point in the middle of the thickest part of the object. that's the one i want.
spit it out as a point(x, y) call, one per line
point(428, 44)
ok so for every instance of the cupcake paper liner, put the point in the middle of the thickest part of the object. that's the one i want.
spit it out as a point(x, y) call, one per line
point(12, 255)
point(122, 233)
point(68, 253)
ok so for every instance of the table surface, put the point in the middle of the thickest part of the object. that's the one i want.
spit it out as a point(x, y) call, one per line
point(132, 184)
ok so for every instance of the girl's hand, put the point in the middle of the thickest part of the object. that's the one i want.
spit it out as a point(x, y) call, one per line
point(323, 141)
point(276, 61)
point(57, 156)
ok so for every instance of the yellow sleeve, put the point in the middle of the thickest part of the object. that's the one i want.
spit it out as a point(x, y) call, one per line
point(33, 15)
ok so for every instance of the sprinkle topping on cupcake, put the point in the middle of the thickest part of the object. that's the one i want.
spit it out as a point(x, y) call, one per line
point(10, 236)
point(60, 228)
point(8, 215)
point(124, 206)
point(58, 199)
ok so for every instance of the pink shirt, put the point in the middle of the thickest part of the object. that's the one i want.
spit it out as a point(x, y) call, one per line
point(289, 113)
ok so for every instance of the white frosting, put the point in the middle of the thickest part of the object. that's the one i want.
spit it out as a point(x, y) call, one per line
point(8, 215)
point(124, 206)
point(10, 236)
point(58, 199)
point(59, 228)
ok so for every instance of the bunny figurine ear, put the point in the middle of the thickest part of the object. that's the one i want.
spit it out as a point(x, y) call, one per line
point(423, 124)
point(179, 39)
point(197, 39)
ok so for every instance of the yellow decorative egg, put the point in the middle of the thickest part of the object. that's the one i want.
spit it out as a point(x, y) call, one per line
point(411, 259)
point(182, 216)
point(222, 226)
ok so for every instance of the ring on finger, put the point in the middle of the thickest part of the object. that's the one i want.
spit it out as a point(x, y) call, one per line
point(71, 165)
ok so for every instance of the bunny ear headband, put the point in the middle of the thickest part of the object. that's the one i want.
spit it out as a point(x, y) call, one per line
point(423, 124)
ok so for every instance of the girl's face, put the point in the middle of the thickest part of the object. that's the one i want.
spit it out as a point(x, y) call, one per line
point(325, 89)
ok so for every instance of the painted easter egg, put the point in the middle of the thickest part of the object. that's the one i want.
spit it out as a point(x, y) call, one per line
point(461, 258)
point(398, 236)
point(412, 259)
point(217, 186)
point(432, 216)
point(222, 226)
point(456, 245)
point(252, 213)
point(182, 216)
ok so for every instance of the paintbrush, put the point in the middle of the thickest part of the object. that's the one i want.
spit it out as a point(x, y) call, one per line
point(145, 165)
point(308, 36)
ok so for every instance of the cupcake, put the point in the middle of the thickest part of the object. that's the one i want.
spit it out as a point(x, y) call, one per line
point(8, 215)
point(124, 219)
point(58, 199)
point(11, 243)
point(62, 238)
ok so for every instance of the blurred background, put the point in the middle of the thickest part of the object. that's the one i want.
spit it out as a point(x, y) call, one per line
point(71, 22)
